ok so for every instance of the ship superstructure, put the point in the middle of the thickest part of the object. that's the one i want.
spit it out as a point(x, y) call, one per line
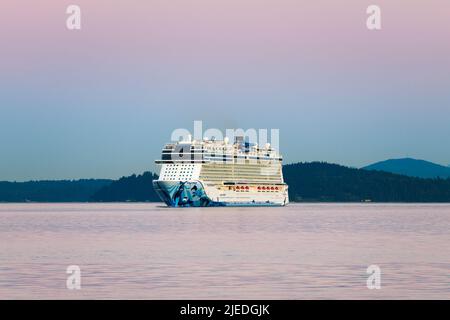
point(219, 173)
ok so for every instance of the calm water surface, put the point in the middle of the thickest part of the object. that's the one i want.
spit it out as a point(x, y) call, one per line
point(148, 251)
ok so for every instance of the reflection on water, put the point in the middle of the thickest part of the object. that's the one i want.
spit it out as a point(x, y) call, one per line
point(148, 251)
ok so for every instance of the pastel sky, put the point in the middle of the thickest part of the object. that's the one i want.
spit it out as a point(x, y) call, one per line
point(101, 102)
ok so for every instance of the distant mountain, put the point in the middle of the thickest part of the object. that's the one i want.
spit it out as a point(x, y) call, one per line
point(51, 191)
point(318, 181)
point(411, 167)
point(132, 188)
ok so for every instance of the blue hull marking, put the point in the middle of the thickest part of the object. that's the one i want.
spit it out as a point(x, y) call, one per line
point(192, 194)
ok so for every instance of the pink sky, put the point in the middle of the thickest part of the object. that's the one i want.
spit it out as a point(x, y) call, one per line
point(242, 63)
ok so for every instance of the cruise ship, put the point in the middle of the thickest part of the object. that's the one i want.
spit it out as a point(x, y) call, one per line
point(218, 173)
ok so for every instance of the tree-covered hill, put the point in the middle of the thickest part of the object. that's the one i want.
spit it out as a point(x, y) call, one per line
point(315, 181)
point(132, 188)
point(51, 191)
point(318, 181)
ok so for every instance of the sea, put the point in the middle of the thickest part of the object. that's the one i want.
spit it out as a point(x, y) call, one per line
point(150, 251)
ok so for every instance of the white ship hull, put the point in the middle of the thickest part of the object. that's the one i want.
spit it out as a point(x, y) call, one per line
point(195, 194)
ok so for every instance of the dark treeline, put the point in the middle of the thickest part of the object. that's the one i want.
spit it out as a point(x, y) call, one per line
point(315, 181)
point(318, 181)
point(132, 188)
point(51, 191)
